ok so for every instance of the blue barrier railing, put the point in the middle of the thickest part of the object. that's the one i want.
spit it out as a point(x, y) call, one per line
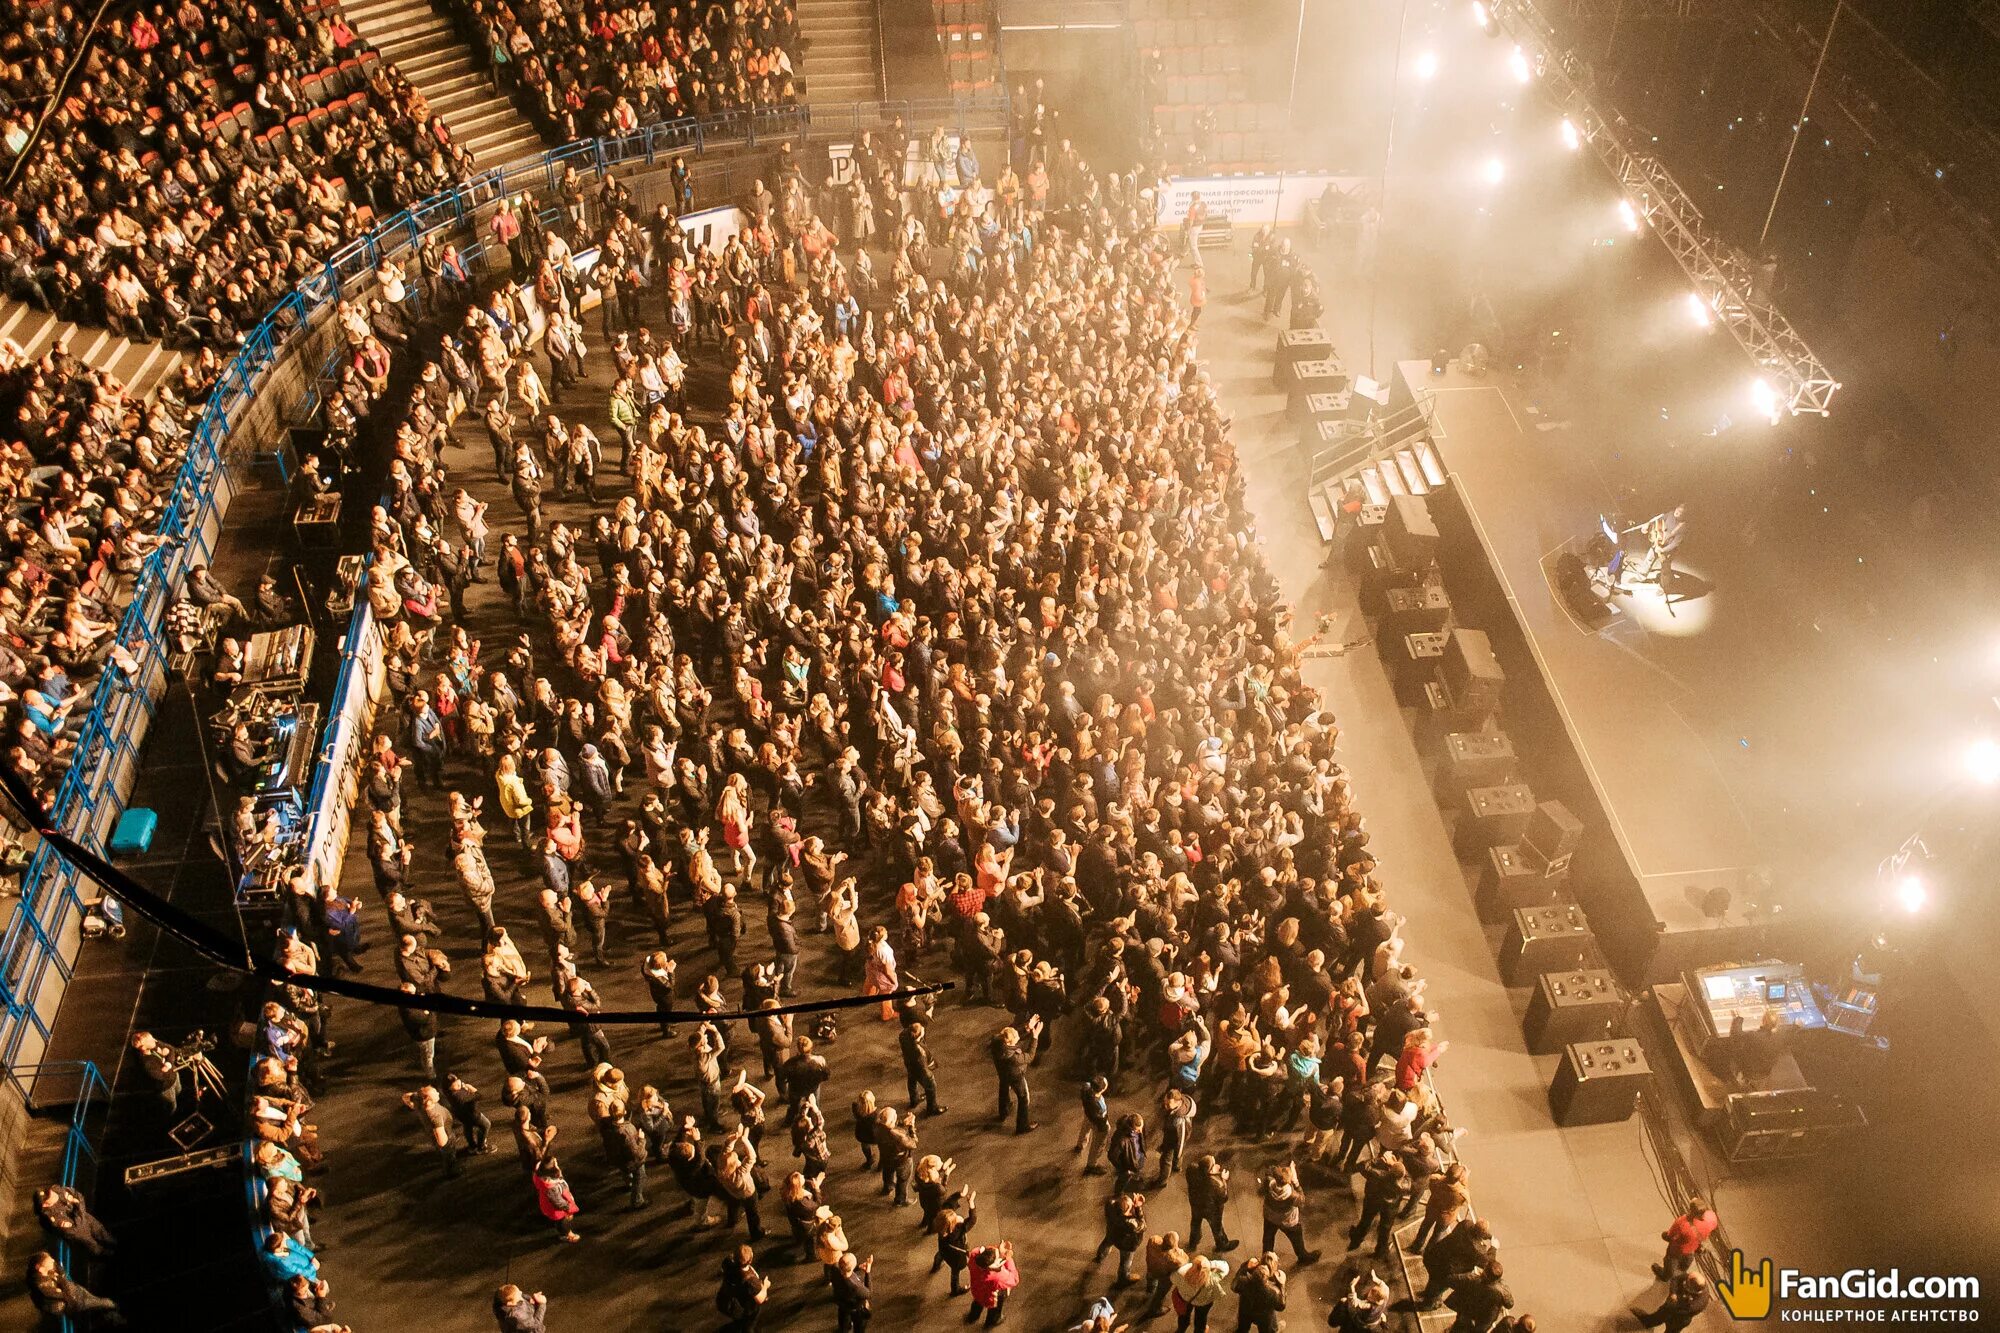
point(83, 1086)
point(39, 940)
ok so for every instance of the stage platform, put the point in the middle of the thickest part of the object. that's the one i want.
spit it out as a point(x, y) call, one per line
point(1668, 831)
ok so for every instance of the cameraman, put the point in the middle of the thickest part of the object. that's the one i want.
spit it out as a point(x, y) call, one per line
point(161, 1064)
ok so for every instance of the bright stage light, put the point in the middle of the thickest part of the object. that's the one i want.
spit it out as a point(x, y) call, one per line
point(1427, 66)
point(1517, 61)
point(1571, 139)
point(1699, 310)
point(1982, 760)
point(1494, 171)
point(1482, 15)
point(1911, 895)
point(1629, 216)
point(1765, 396)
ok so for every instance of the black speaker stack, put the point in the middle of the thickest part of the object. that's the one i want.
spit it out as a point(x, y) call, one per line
point(1586, 1004)
point(1598, 1082)
point(1521, 846)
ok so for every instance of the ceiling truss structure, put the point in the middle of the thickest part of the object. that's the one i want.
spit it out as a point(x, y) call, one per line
point(1722, 277)
point(1636, 9)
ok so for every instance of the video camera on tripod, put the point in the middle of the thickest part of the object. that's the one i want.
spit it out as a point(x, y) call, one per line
point(193, 1050)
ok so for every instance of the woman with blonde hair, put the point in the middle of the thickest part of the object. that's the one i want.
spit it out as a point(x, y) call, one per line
point(933, 1174)
point(829, 1239)
point(732, 811)
point(954, 1246)
point(878, 975)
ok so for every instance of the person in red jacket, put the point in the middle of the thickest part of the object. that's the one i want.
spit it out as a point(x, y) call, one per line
point(1684, 1240)
point(993, 1276)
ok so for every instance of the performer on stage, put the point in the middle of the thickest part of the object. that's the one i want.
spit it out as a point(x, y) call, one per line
point(1664, 533)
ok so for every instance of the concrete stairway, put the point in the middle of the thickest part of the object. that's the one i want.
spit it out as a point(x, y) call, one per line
point(139, 366)
point(841, 50)
point(431, 55)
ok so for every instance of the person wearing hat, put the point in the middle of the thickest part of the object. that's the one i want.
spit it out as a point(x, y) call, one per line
point(993, 1276)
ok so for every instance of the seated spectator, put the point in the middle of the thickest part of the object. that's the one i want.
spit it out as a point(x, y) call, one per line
point(609, 69)
point(221, 198)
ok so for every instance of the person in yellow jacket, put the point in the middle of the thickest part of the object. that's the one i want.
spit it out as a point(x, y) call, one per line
point(515, 803)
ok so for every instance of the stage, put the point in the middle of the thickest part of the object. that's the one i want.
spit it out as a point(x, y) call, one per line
point(1663, 831)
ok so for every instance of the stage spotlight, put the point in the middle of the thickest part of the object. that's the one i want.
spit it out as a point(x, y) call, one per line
point(1483, 16)
point(1517, 61)
point(1571, 139)
point(1765, 396)
point(1629, 216)
point(1427, 66)
point(1494, 171)
point(1699, 310)
point(1982, 760)
point(1911, 895)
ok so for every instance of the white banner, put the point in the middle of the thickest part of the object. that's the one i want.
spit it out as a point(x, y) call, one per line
point(350, 721)
point(1257, 200)
point(840, 162)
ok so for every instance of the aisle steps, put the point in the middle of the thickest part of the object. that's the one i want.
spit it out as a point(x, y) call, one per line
point(139, 366)
point(430, 54)
point(841, 51)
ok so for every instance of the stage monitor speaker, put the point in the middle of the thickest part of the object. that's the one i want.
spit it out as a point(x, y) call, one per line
point(1415, 667)
point(1413, 610)
point(1323, 419)
point(1472, 759)
point(1412, 536)
point(1566, 1007)
point(1490, 816)
point(1507, 882)
point(1598, 1082)
point(1326, 375)
point(1296, 345)
point(1471, 672)
point(1552, 835)
point(1379, 572)
point(1555, 938)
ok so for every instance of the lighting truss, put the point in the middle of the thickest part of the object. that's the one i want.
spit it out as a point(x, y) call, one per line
point(1721, 275)
point(1636, 9)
